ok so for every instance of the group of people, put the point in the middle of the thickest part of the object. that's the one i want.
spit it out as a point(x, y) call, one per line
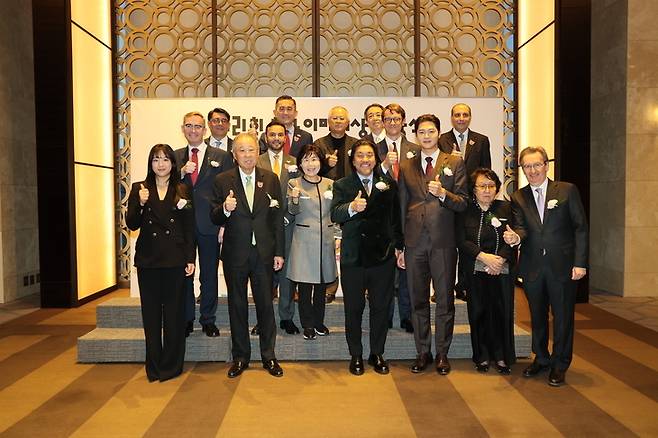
point(277, 209)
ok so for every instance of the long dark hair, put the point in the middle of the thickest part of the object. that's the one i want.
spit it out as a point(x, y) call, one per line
point(168, 152)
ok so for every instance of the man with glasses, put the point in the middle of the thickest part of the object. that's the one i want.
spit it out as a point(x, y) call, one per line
point(285, 112)
point(219, 121)
point(336, 144)
point(373, 116)
point(199, 165)
point(548, 221)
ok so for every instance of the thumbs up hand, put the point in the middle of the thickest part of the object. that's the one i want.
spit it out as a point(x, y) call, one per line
point(143, 195)
point(359, 204)
point(332, 160)
point(510, 237)
point(230, 203)
point(435, 187)
point(189, 167)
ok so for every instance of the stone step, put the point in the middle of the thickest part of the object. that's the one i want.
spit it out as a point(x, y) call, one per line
point(127, 345)
point(126, 313)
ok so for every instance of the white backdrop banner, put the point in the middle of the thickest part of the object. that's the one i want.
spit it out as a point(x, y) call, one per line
point(154, 121)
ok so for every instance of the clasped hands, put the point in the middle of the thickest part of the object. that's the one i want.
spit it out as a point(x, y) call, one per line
point(495, 263)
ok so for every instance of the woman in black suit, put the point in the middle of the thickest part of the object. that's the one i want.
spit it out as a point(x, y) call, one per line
point(161, 208)
point(486, 261)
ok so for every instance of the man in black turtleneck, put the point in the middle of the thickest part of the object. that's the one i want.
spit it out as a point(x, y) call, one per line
point(336, 144)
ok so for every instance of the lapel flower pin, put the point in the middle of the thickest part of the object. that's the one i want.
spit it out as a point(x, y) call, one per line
point(296, 137)
point(495, 222)
point(260, 185)
point(328, 194)
point(471, 142)
point(447, 171)
point(292, 168)
point(273, 202)
point(349, 152)
point(181, 203)
point(551, 204)
point(214, 163)
point(381, 186)
point(410, 155)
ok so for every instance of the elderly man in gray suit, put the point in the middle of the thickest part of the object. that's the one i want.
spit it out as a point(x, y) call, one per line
point(285, 167)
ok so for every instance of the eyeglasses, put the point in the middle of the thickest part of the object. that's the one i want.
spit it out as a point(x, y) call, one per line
point(533, 166)
point(485, 187)
point(193, 127)
point(218, 121)
point(392, 119)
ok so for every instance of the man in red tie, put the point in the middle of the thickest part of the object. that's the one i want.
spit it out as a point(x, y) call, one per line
point(199, 165)
point(285, 112)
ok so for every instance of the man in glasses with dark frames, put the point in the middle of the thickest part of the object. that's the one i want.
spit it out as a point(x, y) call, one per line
point(219, 121)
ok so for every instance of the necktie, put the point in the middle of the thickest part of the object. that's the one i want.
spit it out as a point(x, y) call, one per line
point(249, 192)
point(396, 165)
point(286, 145)
point(195, 160)
point(218, 144)
point(276, 167)
point(460, 146)
point(428, 167)
point(366, 184)
point(540, 203)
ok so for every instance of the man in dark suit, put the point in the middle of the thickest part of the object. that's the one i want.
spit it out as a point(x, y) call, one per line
point(549, 222)
point(373, 117)
point(366, 205)
point(336, 144)
point(393, 149)
point(199, 166)
point(219, 121)
point(247, 202)
point(285, 112)
point(432, 189)
point(284, 166)
point(472, 146)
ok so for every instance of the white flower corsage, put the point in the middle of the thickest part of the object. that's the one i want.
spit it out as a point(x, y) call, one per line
point(181, 203)
point(260, 185)
point(214, 163)
point(447, 171)
point(349, 152)
point(410, 155)
point(471, 142)
point(495, 222)
point(381, 186)
point(292, 168)
point(328, 194)
point(551, 204)
point(273, 202)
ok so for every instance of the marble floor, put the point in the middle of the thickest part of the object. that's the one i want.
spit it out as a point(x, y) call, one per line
point(640, 310)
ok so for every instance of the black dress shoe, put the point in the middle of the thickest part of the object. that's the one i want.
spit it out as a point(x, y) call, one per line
point(210, 330)
point(272, 366)
point(460, 294)
point(289, 326)
point(556, 377)
point(309, 334)
point(255, 331)
point(534, 368)
point(189, 328)
point(378, 363)
point(407, 326)
point(237, 368)
point(482, 367)
point(329, 298)
point(502, 368)
point(356, 365)
point(321, 330)
point(421, 363)
point(442, 365)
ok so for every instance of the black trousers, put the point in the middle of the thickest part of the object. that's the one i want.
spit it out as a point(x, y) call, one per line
point(260, 276)
point(378, 281)
point(543, 292)
point(311, 304)
point(162, 291)
point(491, 316)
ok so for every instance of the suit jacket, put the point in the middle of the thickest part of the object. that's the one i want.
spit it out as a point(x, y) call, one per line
point(342, 168)
point(299, 139)
point(561, 240)
point(370, 237)
point(215, 162)
point(403, 145)
point(478, 153)
point(229, 144)
point(265, 222)
point(288, 160)
point(425, 215)
point(166, 237)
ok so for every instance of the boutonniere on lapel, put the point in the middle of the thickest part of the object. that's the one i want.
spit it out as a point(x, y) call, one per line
point(328, 194)
point(214, 163)
point(551, 204)
point(260, 185)
point(382, 186)
point(410, 155)
point(471, 142)
point(292, 168)
point(493, 220)
point(273, 202)
point(446, 170)
point(183, 203)
point(296, 137)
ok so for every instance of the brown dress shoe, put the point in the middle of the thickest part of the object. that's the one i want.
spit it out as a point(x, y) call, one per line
point(442, 365)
